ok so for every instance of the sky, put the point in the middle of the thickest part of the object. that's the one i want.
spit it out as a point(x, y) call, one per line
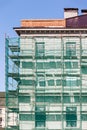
point(13, 11)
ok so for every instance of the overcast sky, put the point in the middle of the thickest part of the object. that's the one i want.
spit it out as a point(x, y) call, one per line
point(13, 11)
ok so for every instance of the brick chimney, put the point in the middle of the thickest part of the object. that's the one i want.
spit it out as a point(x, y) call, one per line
point(70, 12)
point(84, 11)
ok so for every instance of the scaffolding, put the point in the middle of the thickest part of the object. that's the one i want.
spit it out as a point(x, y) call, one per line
point(46, 87)
point(12, 82)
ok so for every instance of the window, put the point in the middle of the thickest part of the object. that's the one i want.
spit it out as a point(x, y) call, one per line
point(40, 98)
point(26, 117)
point(84, 117)
point(76, 99)
point(41, 80)
point(66, 99)
point(46, 65)
point(71, 117)
point(50, 99)
point(51, 82)
point(40, 116)
point(39, 123)
point(70, 49)
point(42, 83)
point(84, 99)
point(71, 65)
point(40, 108)
point(52, 65)
point(58, 82)
point(52, 117)
point(75, 65)
point(71, 82)
point(84, 69)
point(58, 65)
point(28, 82)
point(40, 51)
point(39, 65)
point(68, 65)
point(63, 82)
point(24, 99)
point(55, 65)
point(28, 65)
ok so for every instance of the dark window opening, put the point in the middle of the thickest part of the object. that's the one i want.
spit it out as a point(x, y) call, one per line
point(40, 116)
point(71, 117)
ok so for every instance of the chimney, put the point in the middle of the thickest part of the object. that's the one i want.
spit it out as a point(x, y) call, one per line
point(84, 11)
point(70, 12)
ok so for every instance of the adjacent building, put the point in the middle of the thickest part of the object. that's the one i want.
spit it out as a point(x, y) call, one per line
point(2, 110)
point(46, 74)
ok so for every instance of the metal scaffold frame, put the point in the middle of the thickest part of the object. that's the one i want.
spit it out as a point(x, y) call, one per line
point(44, 82)
point(12, 82)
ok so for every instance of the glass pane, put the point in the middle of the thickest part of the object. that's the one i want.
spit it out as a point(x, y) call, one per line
point(41, 79)
point(71, 83)
point(66, 99)
point(53, 99)
point(40, 116)
point(71, 109)
point(71, 124)
point(40, 98)
point(70, 49)
point(71, 117)
point(58, 82)
point(68, 65)
point(39, 65)
point(52, 65)
point(78, 82)
point(76, 99)
point(24, 99)
point(46, 65)
point(84, 69)
point(52, 117)
point(50, 82)
point(50, 99)
point(40, 49)
point(40, 124)
point(63, 82)
point(75, 65)
point(39, 108)
point(58, 65)
point(28, 82)
point(84, 99)
point(42, 83)
point(84, 117)
point(26, 117)
point(58, 117)
point(28, 65)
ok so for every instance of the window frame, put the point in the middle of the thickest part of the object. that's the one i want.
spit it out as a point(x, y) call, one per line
point(70, 49)
point(39, 49)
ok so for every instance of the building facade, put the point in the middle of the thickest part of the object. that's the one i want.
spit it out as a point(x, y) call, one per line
point(46, 74)
point(2, 110)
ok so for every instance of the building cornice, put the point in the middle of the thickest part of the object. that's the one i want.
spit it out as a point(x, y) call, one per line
point(51, 30)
